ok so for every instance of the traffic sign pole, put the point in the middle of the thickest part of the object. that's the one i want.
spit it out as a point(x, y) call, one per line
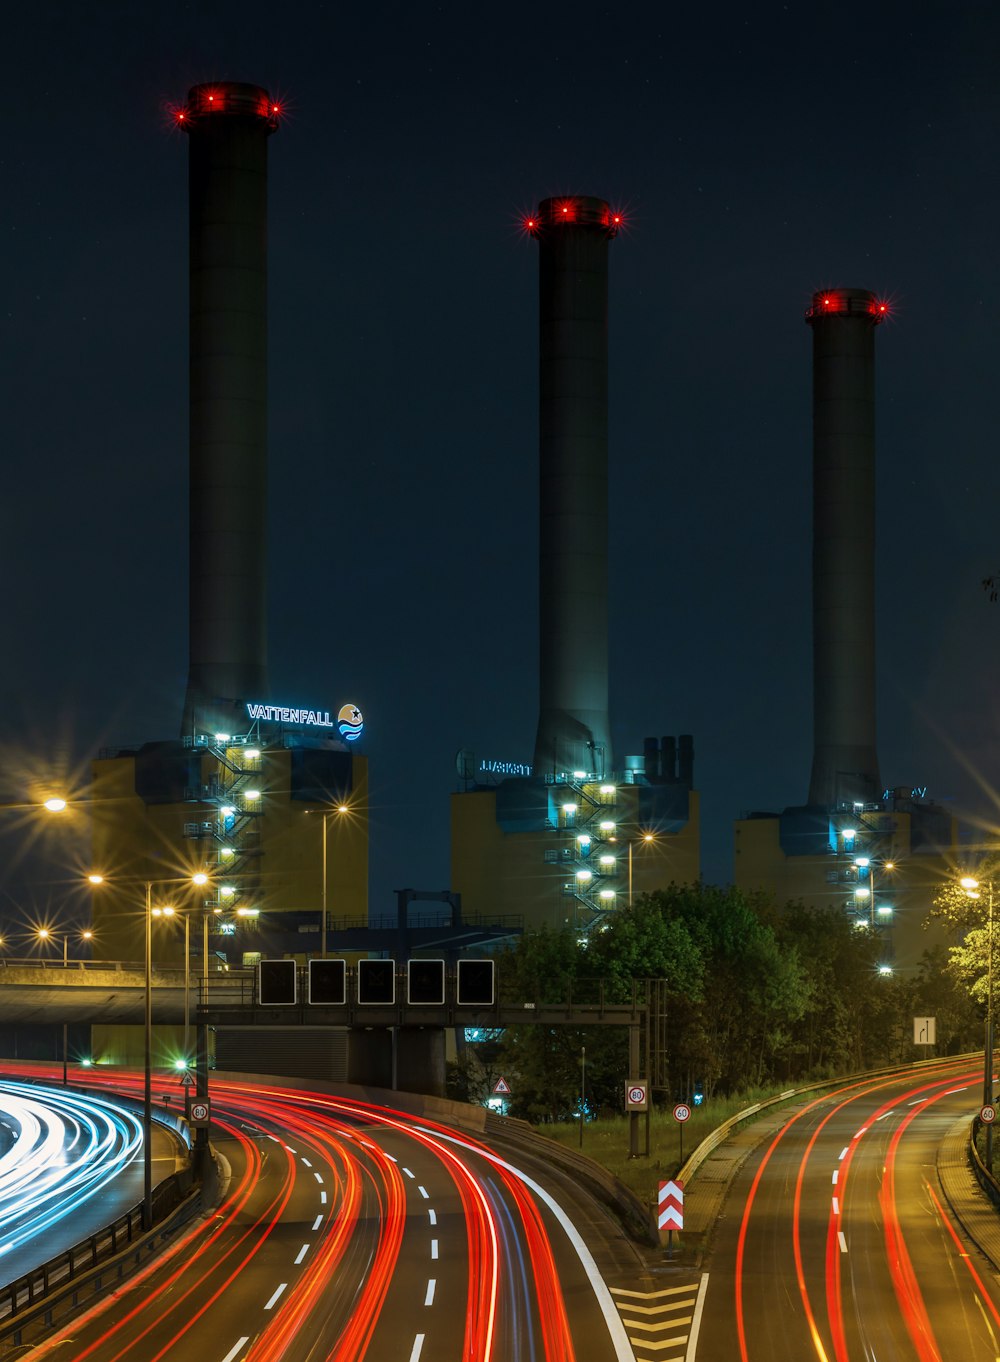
point(682, 1113)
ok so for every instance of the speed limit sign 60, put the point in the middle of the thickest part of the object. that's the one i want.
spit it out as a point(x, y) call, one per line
point(988, 1115)
point(682, 1112)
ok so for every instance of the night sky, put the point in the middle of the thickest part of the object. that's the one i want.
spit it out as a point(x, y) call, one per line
point(759, 153)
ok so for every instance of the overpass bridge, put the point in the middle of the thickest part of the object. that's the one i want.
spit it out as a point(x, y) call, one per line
point(95, 992)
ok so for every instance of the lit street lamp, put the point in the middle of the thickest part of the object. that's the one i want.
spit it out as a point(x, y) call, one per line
point(147, 1092)
point(325, 816)
point(646, 837)
point(971, 888)
point(44, 934)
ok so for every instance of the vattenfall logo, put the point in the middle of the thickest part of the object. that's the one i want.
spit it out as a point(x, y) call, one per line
point(349, 722)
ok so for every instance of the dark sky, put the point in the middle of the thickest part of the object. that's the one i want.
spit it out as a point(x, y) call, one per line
point(760, 153)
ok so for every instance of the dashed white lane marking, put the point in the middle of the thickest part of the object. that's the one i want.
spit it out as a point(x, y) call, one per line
point(434, 1248)
point(242, 1344)
point(317, 1222)
point(836, 1206)
point(836, 1175)
point(302, 1253)
point(951, 1090)
point(423, 1191)
point(274, 1299)
point(318, 1177)
point(842, 1241)
point(392, 1158)
point(418, 1343)
point(860, 1132)
point(429, 1298)
point(843, 1152)
point(433, 1215)
point(408, 1173)
point(916, 1102)
point(322, 1198)
point(306, 1162)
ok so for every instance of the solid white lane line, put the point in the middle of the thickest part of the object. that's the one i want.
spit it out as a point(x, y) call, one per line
point(233, 1351)
point(433, 1215)
point(429, 1298)
point(408, 1173)
point(418, 1343)
point(302, 1253)
point(317, 1222)
point(434, 1248)
point(699, 1307)
point(619, 1338)
point(423, 1191)
point(836, 1206)
point(842, 1241)
point(322, 1198)
point(274, 1299)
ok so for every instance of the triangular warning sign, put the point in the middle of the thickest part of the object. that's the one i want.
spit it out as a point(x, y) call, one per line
point(502, 1086)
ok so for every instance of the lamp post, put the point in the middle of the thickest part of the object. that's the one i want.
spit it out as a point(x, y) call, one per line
point(646, 837)
point(45, 935)
point(326, 816)
point(971, 888)
point(147, 1091)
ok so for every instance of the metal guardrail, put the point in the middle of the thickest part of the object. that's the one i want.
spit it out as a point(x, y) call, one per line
point(33, 1304)
point(79, 1271)
point(980, 1172)
point(601, 1184)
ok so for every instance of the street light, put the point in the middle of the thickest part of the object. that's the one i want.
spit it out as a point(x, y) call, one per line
point(971, 887)
point(44, 934)
point(646, 837)
point(326, 815)
point(147, 1092)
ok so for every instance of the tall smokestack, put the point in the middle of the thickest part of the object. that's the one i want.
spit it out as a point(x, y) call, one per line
point(573, 728)
point(228, 125)
point(845, 763)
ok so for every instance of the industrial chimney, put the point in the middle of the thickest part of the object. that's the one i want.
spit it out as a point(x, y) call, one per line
point(573, 727)
point(228, 125)
point(845, 763)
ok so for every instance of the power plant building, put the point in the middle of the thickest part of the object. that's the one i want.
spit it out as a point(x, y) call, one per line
point(580, 835)
point(268, 799)
point(880, 854)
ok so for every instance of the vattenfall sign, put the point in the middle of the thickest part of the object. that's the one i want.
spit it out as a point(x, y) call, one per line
point(349, 721)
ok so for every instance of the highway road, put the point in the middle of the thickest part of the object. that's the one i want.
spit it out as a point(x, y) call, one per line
point(350, 1231)
point(836, 1245)
point(69, 1165)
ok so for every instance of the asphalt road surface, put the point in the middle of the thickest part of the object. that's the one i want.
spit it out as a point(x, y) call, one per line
point(350, 1231)
point(835, 1244)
